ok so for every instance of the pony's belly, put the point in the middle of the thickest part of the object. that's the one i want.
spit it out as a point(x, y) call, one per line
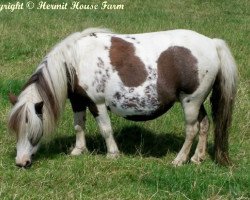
point(127, 109)
point(134, 101)
point(137, 110)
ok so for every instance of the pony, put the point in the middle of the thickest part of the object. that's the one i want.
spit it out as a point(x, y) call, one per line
point(136, 76)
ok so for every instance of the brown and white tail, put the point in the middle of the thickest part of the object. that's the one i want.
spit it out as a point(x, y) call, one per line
point(222, 101)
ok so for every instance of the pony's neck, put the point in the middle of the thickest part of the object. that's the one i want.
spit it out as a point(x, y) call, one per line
point(50, 82)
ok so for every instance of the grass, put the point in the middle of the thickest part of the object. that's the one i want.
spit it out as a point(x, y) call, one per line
point(144, 170)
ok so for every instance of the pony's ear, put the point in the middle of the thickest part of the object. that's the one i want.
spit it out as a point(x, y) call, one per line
point(39, 107)
point(13, 98)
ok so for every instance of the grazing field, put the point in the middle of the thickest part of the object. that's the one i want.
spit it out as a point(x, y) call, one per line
point(144, 169)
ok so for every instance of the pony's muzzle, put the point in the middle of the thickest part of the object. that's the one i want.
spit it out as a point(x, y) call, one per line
point(25, 162)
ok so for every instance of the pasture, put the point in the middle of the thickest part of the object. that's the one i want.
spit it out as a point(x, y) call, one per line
point(144, 169)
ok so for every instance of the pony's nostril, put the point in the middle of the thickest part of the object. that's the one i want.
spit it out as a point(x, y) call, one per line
point(28, 163)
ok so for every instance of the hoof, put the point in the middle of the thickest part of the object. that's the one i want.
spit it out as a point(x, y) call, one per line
point(113, 155)
point(197, 159)
point(78, 151)
point(178, 162)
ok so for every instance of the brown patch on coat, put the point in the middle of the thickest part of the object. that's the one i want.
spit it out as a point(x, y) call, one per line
point(177, 72)
point(78, 97)
point(130, 68)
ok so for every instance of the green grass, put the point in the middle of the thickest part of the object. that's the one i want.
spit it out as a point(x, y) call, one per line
point(144, 170)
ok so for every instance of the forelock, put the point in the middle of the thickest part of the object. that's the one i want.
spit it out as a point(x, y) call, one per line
point(16, 118)
point(23, 116)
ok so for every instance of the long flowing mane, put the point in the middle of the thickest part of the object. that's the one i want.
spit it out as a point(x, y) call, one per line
point(50, 83)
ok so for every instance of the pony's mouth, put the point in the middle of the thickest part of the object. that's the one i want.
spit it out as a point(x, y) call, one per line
point(24, 162)
point(25, 165)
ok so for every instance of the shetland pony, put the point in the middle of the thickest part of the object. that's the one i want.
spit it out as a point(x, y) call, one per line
point(136, 76)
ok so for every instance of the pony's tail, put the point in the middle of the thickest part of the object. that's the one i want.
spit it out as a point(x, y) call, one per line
point(222, 101)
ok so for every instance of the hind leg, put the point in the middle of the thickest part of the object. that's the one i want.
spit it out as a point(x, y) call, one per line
point(79, 123)
point(191, 111)
point(106, 131)
point(200, 151)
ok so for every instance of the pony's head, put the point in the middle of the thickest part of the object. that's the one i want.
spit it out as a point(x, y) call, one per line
point(38, 107)
point(26, 121)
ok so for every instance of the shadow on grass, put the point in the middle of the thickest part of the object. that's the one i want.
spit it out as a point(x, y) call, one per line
point(137, 140)
point(131, 140)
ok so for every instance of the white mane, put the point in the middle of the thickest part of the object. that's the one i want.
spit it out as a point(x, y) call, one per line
point(51, 83)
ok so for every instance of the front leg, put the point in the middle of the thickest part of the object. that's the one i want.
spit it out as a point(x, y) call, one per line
point(104, 124)
point(79, 124)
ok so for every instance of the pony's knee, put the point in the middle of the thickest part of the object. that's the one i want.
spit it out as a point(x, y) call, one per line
point(106, 131)
point(78, 128)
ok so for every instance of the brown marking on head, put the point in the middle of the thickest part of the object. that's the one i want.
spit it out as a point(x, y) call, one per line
point(78, 97)
point(177, 72)
point(20, 115)
point(130, 67)
point(15, 119)
point(44, 90)
point(48, 98)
